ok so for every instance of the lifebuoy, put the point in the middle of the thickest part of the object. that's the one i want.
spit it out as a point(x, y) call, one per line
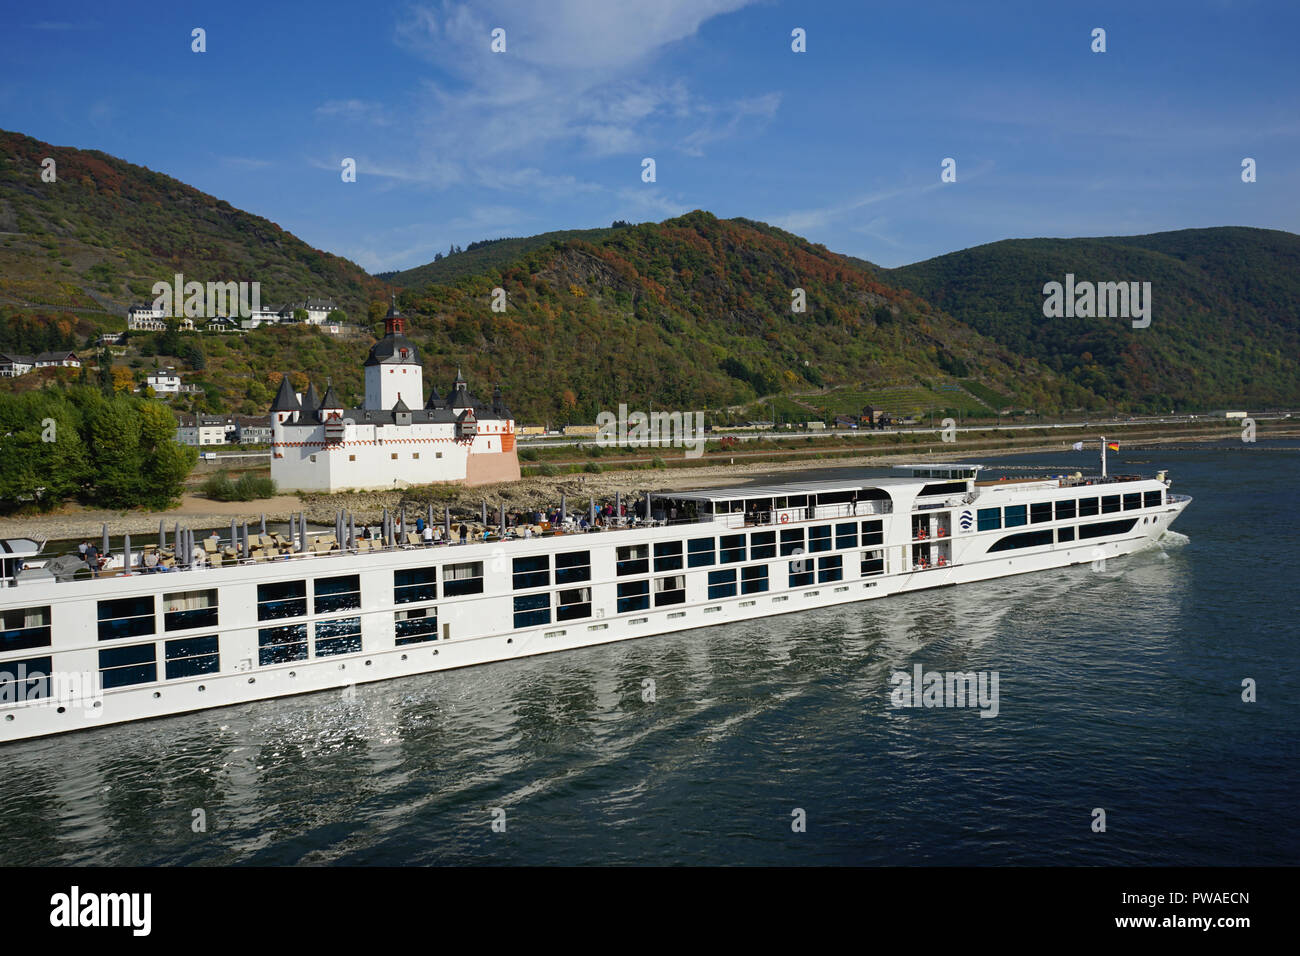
point(785, 519)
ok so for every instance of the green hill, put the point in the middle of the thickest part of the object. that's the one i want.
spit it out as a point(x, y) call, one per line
point(483, 256)
point(1225, 322)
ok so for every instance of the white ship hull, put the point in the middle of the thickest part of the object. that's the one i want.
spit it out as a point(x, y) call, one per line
point(480, 628)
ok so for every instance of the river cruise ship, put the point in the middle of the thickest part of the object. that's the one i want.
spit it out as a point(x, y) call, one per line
point(269, 618)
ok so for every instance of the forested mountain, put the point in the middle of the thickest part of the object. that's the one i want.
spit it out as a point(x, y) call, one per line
point(1225, 322)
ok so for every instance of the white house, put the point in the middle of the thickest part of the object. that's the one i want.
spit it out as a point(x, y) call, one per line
point(317, 310)
point(202, 430)
point(396, 438)
point(58, 359)
point(11, 366)
point(145, 318)
point(165, 382)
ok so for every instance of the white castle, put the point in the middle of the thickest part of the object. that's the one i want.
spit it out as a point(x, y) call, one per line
point(396, 438)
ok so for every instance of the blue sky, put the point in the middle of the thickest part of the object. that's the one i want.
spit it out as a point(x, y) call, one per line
point(842, 144)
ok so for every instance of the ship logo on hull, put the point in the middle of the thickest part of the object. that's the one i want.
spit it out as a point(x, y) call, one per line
point(965, 520)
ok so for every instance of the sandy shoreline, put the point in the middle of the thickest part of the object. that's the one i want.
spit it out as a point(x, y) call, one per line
point(529, 493)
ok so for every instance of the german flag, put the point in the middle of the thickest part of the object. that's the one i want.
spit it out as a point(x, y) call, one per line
point(1113, 445)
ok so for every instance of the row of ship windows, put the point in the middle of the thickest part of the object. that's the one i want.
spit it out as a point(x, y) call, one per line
point(991, 519)
point(122, 666)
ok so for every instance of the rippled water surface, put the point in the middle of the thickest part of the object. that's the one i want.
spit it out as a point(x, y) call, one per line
point(1120, 688)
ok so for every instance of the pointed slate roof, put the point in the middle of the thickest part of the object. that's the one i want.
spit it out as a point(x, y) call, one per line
point(434, 399)
point(400, 406)
point(285, 399)
point(394, 347)
point(331, 399)
point(310, 400)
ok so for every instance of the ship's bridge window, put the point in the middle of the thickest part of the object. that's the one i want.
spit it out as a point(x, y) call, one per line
point(753, 579)
point(122, 666)
point(126, 617)
point(279, 645)
point(337, 594)
point(1065, 509)
point(700, 552)
point(191, 656)
point(415, 584)
point(722, 583)
point(464, 578)
point(670, 590)
point(1133, 501)
point(668, 556)
point(25, 627)
point(281, 599)
point(533, 571)
point(25, 680)
point(339, 636)
point(731, 548)
point(1151, 499)
point(186, 609)
point(830, 568)
point(633, 596)
point(819, 538)
point(762, 544)
point(633, 559)
point(573, 567)
point(945, 488)
point(988, 519)
point(1109, 504)
point(1013, 516)
point(573, 603)
point(532, 610)
point(873, 532)
point(791, 541)
point(415, 625)
point(1087, 507)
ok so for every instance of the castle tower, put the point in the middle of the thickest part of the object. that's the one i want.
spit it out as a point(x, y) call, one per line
point(393, 367)
point(284, 410)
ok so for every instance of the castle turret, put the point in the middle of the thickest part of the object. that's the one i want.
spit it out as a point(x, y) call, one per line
point(329, 405)
point(310, 402)
point(284, 410)
point(393, 366)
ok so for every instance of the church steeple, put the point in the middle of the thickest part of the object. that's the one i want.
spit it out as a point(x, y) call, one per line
point(394, 321)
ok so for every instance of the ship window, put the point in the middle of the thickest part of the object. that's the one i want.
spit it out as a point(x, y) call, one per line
point(819, 538)
point(1014, 516)
point(989, 519)
point(791, 541)
point(633, 559)
point(801, 573)
point(25, 627)
point(1040, 511)
point(1102, 528)
point(732, 548)
point(126, 617)
point(1109, 504)
point(532, 610)
point(573, 603)
point(281, 599)
point(846, 535)
point(1026, 539)
point(1087, 507)
point(191, 656)
point(762, 544)
point(633, 596)
point(339, 636)
point(722, 583)
point(753, 579)
point(668, 556)
point(186, 609)
point(830, 568)
point(415, 584)
point(279, 645)
point(532, 572)
point(670, 590)
point(1065, 509)
point(572, 567)
point(1151, 499)
point(873, 532)
point(462, 578)
point(1064, 534)
point(873, 562)
point(25, 680)
point(415, 625)
point(121, 666)
point(1133, 501)
point(338, 594)
point(700, 552)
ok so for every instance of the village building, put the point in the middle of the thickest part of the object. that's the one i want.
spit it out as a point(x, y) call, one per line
point(58, 360)
point(11, 366)
point(397, 437)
